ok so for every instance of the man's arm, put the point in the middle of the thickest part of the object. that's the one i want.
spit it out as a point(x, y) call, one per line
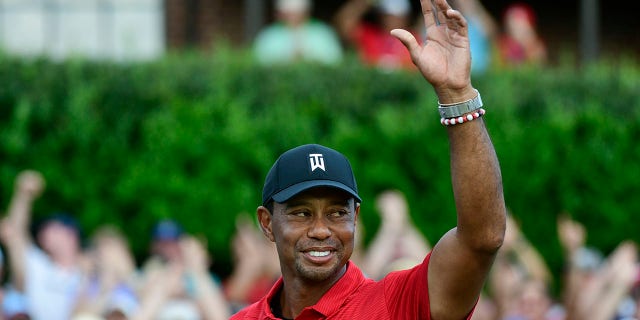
point(15, 227)
point(206, 293)
point(461, 260)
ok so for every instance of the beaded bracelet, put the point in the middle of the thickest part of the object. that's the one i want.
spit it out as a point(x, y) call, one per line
point(462, 119)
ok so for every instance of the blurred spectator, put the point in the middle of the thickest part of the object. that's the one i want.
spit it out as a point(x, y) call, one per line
point(50, 275)
point(14, 303)
point(483, 31)
point(398, 244)
point(111, 280)
point(533, 301)
point(520, 42)
point(295, 36)
point(177, 281)
point(256, 265)
point(372, 40)
point(519, 274)
point(485, 309)
point(165, 244)
point(595, 291)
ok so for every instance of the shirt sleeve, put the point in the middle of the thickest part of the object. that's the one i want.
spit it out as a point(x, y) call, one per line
point(407, 292)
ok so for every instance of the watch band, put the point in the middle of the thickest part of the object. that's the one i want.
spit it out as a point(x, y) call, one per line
point(458, 109)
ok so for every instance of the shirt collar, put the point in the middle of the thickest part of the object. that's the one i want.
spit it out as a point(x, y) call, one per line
point(272, 293)
point(334, 298)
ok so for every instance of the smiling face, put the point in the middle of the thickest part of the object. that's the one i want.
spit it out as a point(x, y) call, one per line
point(313, 232)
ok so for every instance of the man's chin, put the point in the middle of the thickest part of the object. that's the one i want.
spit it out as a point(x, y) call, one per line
point(319, 273)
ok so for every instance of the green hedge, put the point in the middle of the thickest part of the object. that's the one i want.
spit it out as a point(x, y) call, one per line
point(192, 136)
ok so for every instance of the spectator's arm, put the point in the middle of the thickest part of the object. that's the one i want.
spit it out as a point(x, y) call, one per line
point(349, 16)
point(158, 288)
point(15, 227)
point(532, 261)
point(572, 237)
point(251, 261)
point(527, 256)
point(383, 246)
point(599, 298)
point(475, 8)
point(206, 293)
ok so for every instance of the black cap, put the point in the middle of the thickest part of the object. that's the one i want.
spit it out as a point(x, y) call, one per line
point(305, 167)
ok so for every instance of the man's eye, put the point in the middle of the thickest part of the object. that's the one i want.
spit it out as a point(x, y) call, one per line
point(338, 213)
point(300, 213)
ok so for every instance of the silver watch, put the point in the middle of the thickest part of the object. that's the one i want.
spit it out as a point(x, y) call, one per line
point(458, 109)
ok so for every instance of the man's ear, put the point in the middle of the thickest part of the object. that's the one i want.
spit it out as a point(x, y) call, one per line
point(265, 220)
point(357, 212)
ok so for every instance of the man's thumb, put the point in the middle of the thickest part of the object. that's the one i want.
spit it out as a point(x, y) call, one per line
point(407, 39)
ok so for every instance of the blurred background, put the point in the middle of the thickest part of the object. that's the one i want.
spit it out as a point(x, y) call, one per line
point(140, 111)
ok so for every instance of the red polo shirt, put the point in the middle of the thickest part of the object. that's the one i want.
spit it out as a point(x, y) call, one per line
point(400, 295)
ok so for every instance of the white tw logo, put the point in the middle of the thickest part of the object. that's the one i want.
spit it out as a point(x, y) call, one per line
point(317, 161)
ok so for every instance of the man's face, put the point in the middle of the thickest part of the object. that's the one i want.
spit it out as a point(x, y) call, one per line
point(58, 240)
point(294, 18)
point(314, 234)
point(167, 249)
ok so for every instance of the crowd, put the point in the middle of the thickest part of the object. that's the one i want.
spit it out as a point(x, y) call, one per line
point(53, 277)
point(362, 27)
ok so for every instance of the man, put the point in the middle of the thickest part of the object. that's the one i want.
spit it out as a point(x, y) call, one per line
point(177, 283)
point(311, 203)
point(371, 39)
point(296, 37)
point(49, 273)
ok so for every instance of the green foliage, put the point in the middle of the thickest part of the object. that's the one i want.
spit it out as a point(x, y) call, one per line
point(192, 137)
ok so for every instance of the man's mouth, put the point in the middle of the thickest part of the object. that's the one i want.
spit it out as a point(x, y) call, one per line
point(319, 253)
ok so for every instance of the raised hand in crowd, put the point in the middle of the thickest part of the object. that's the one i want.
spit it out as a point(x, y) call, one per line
point(519, 273)
point(204, 290)
point(398, 244)
point(110, 280)
point(595, 287)
point(184, 288)
point(581, 262)
point(256, 265)
point(28, 186)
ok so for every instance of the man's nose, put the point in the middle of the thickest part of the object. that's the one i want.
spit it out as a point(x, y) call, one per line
point(319, 229)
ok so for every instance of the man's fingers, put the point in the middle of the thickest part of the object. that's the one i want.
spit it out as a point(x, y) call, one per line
point(455, 21)
point(407, 39)
point(440, 9)
point(428, 13)
point(442, 5)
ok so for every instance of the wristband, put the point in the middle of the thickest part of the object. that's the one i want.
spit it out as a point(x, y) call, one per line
point(455, 110)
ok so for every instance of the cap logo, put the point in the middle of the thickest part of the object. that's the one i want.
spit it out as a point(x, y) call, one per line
point(317, 161)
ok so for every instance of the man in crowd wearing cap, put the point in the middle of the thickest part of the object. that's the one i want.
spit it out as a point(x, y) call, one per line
point(176, 281)
point(310, 205)
point(370, 37)
point(296, 37)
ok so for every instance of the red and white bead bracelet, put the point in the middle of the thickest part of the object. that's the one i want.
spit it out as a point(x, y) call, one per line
point(462, 119)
